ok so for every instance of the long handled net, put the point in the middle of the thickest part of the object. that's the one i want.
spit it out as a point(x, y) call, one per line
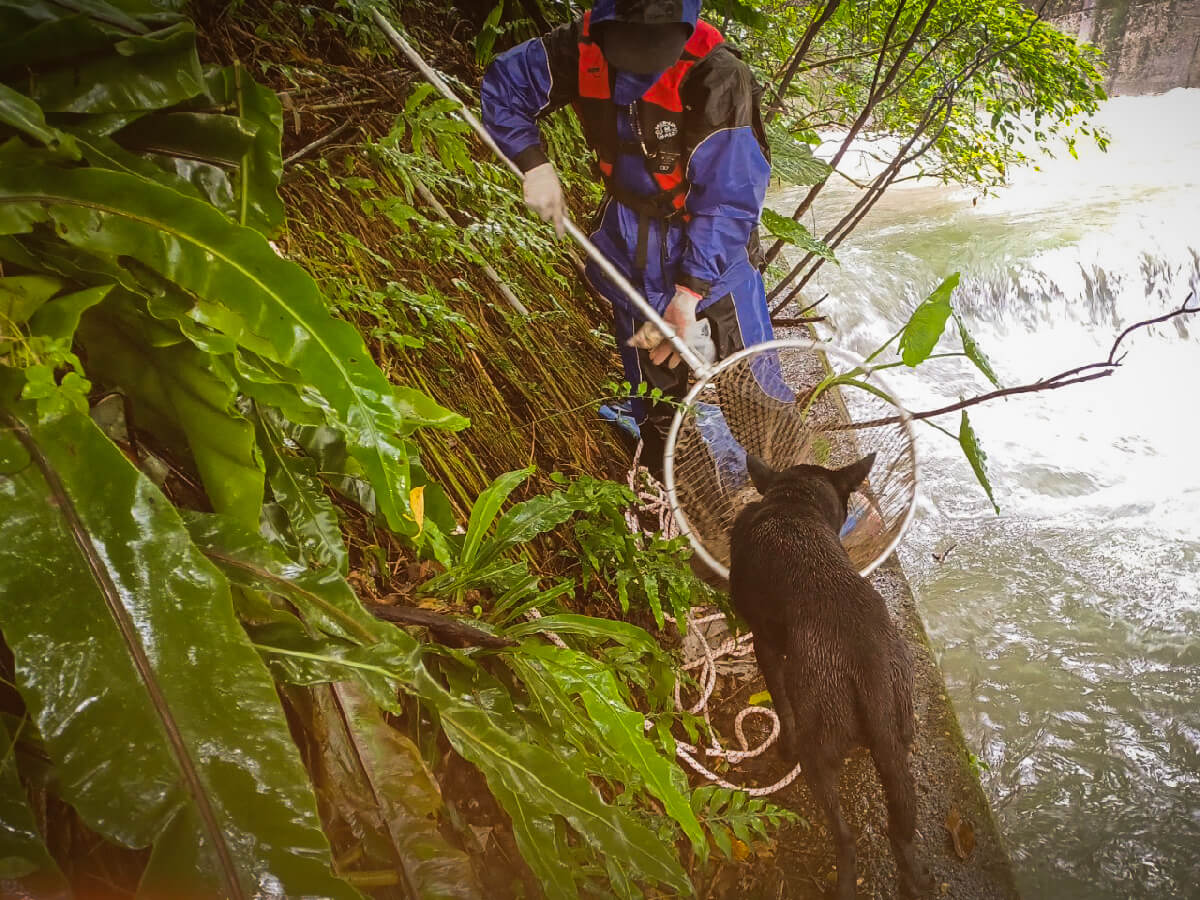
point(790, 402)
point(774, 400)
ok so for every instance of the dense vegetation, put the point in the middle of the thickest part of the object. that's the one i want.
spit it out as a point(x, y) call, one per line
point(232, 438)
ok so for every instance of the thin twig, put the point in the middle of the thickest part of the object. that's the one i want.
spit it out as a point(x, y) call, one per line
point(798, 320)
point(1061, 380)
point(318, 143)
point(444, 627)
point(813, 306)
point(878, 89)
point(492, 275)
point(344, 104)
point(819, 20)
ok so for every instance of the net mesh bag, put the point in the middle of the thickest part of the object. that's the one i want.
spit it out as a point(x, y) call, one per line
point(769, 400)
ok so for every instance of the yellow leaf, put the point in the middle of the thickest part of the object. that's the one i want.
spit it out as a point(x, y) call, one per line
point(416, 500)
point(762, 698)
point(740, 850)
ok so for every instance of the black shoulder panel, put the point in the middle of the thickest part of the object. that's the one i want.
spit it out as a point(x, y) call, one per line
point(717, 93)
point(562, 53)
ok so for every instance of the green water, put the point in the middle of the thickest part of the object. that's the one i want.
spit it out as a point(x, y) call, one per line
point(1068, 627)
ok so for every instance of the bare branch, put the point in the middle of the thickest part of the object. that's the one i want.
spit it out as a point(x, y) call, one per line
point(887, 37)
point(318, 143)
point(445, 628)
point(798, 320)
point(878, 88)
point(813, 306)
point(832, 60)
point(1062, 379)
point(943, 102)
point(806, 40)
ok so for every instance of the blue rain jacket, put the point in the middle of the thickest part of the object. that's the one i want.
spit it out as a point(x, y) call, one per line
point(725, 169)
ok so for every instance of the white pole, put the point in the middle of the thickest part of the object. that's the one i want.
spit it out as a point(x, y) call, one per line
point(610, 271)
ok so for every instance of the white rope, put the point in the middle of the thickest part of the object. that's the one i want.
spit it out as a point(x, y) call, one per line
point(654, 501)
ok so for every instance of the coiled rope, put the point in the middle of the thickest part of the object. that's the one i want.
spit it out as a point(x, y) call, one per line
point(700, 655)
point(652, 501)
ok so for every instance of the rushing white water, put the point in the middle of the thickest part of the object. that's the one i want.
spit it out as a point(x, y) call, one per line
point(1068, 626)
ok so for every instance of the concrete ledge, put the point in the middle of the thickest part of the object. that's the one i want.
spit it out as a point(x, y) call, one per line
point(803, 865)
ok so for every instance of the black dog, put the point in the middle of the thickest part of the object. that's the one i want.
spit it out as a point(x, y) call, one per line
point(838, 670)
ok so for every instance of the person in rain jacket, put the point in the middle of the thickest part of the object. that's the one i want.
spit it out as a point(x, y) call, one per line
point(669, 110)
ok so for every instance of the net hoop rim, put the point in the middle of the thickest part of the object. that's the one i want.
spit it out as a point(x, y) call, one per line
point(733, 359)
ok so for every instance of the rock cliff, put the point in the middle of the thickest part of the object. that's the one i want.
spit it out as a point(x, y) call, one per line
point(1150, 46)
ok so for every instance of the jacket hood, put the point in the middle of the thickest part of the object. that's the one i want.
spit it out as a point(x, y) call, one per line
point(647, 12)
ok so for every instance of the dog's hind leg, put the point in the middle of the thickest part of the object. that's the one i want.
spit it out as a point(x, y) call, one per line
point(891, 761)
point(822, 777)
point(902, 690)
point(773, 665)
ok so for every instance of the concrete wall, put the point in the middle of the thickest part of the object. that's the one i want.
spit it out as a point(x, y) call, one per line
point(1151, 46)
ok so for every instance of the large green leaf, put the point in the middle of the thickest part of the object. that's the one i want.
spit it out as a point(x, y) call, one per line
point(217, 138)
point(99, 580)
point(974, 353)
point(45, 253)
point(486, 508)
point(540, 841)
point(323, 596)
point(517, 769)
point(141, 72)
point(589, 626)
point(44, 34)
point(59, 318)
point(377, 783)
point(261, 166)
point(975, 456)
point(26, 867)
point(792, 232)
point(927, 324)
point(792, 160)
point(113, 19)
point(22, 295)
point(534, 784)
point(242, 291)
point(621, 728)
point(525, 521)
point(521, 772)
point(188, 395)
point(311, 515)
point(106, 153)
point(338, 468)
point(19, 112)
point(295, 656)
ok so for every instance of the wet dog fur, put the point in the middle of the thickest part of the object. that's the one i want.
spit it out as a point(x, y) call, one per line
point(839, 672)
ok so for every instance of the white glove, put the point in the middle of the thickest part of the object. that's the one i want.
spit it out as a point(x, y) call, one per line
point(544, 195)
point(680, 315)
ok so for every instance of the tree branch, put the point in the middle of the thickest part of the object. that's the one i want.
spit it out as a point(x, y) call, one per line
point(845, 57)
point(878, 89)
point(943, 101)
point(318, 143)
point(1062, 379)
point(801, 49)
point(445, 628)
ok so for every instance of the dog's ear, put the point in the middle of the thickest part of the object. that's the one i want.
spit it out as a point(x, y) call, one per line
point(848, 478)
point(762, 475)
